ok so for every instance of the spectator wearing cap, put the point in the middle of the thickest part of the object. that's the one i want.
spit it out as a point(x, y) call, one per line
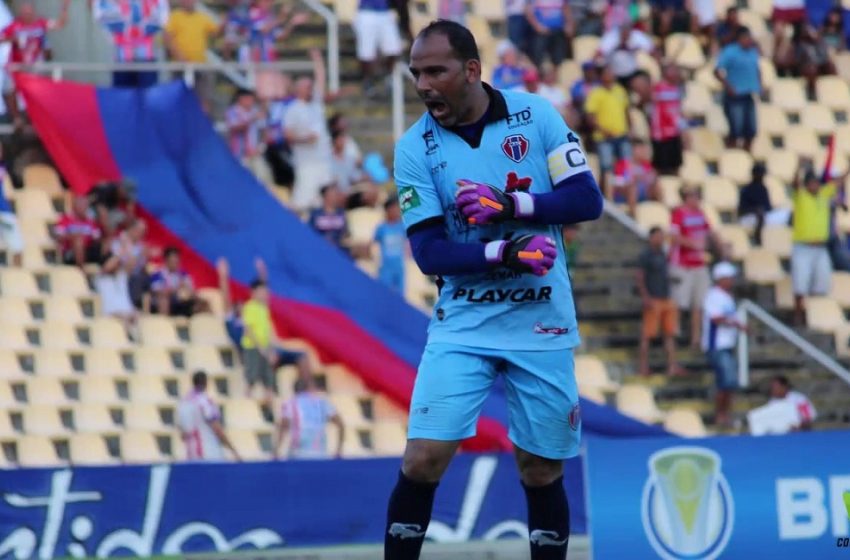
point(607, 109)
point(620, 47)
point(738, 71)
point(754, 207)
point(519, 31)
point(666, 122)
point(781, 390)
point(553, 28)
point(720, 337)
point(811, 266)
point(509, 72)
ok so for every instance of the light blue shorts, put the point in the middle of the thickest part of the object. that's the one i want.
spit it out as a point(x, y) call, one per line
point(453, 382)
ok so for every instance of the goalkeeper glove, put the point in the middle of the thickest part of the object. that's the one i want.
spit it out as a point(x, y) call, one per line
point(482, 204)
point(530, 253)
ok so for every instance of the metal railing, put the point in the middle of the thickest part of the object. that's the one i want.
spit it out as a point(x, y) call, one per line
point(748, 308)
point(333, 41)
point(400, 72)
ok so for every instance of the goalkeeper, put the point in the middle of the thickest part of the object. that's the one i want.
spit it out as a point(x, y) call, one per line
point(486, 179)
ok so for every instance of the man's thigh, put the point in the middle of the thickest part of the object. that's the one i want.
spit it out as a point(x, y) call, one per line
point(802, 268)
point(451, 386)
point(543, 403)
point(822, 280)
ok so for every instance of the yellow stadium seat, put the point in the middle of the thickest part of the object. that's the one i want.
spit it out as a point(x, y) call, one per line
point(763, 8)
point(362, 223)
point(156, 330)
point(761, 147)
point(783, 164)
point(685, 422)
point(69, 281)
point(737, 237)
point(819, 118)
point(842, 139)
point(684, 49)
point(36, 451)
point(345, 10)
point(585, 48)
point(58, 335)
point(591, 373)
point(720, 193)
point(42, 420)
point(568, 73)
point(104, 362)
point(63, 309)
point(10, 367)
point(593, 394)
point(697, 99)
point(206, 328)
point(707, 143)
point(42, 177)
point(45, 390)
point(7, 398)
point(842, 220)
point(706, 77)
point(35, 204)
point(639, 124)
point(762, 266)
point(768, 73)
point(214, 297)
point(754, 22)
point(842, 341)
point(638, 402)
point(842, 64)
point(771, 119)
point(13, 337)
point(140, 447)
point(491, 11)
point(649, 214)
point(36, 236)
point(32, 257)
point(244, 414)
point(777, 191)
point(712, 216)
point(14, 311)
point(784, 293)
point(669, 187)
point(53, 363)
point(788, 94)
point(833, 93)
point(6, 429)
point(777, 239)
point(148, 389)
point(823, 314)
point(98, 390)
point(386, 410)
point(93, 418)
point(341, 380)
point(247, 444)
point(649, 64)
point(693, 171)
point(802, 141)
point(89, 449)
point(715, 120)
point(389, 438)
point(17, 282)
point(202, 357)
point(143, 417)
point(840, 291)
point(153, 361)
point(108, 332)
point(348, 408)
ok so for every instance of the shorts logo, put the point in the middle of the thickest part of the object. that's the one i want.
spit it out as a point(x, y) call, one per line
point(515, 147)
point(687, 508)
point(408, 198)
point(575, 417)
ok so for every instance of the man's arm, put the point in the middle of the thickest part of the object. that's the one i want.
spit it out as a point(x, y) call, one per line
point(533, 21)
point(222, 437)
point(282, 429)
point(62, 20)
point(336, 420)
point(223, 270)
point(569, 22)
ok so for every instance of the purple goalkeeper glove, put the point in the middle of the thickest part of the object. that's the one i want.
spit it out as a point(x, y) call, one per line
point(530, 253)
point(483, 204)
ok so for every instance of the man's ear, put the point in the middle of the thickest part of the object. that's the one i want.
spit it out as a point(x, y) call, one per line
point(473, 71)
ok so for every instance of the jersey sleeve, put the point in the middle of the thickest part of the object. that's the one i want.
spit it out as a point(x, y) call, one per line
point(564, 155)
point(417, 194)
point(209, 410)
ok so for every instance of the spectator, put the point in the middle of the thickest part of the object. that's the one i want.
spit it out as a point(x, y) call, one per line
point(634, 179)
point(308, 136)
point(10, 232)
point(786, 12)
point(580, 89)
point(572, 245)
point(669, 16)
point(199, 421)
point(237, 30)
point(391, 238)
point(618, 13)
point(738, 71)
point(811, 267)
point(519, 31)
point(545, 84)
point(244, 119)
point(690, 235)
point(130, 246)
point(839, 254)
point(727, 30)
point(754, 207)
point(660, 314)
point(346, 170)
point(329, 220)
point(704, 17)
point(607, 109)
point(172, 291)
point(588, 16)
point(832, 30)
point(188, 32)
point(553, 28)
point(27, 34)
point(306, 414)
point(720, 337)
point(114, 204)
point(402, 8)
point(267, 28)
point(666, 122)
point(134, 26)
point(278, 154)
point(781, 390)
point(508, 74)
point(620, 47)
point(113, 284)
point(78, 235)
point(338, 123)
point(377, 34)
point(812, 58)
point(259, 342)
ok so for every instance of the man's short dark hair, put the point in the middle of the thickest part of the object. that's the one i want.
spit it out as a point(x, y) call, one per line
point(257, 284)
point(333, 121)
point(240, 92)
point(654, 229)
point(742, 30)
point(782, 380)
point(324, 190)
point(199, 379)
point(171, 251)
point(460, 38)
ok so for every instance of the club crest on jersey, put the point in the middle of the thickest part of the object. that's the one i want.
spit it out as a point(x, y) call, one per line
point(515, 147)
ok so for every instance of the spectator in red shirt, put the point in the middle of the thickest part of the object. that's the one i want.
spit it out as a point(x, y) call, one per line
point(28, 35)
point(690, 236)
point(78, 235)
point(634, 179)
point(666, 122)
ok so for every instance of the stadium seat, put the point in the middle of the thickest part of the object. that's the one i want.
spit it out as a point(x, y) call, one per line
point(585, 48)
point(720, 193)
point(13, 337)
point(802, 141)
point(784, 293)
point(648, 64)
point(737, 237)
point(694, 170)
point(777, 239)
point(248, 445)
point(593, 394)
point(569, 72)
point(639, 124)
point(143, 417)
point(53, 363)
point(17, 282)
point(685, 422)
point(838, 165)
point(389, 438)
point(735, 165)
point(386, 410)
point(32, 257)
point(7, 398)
point(10, 367)
point(243, 414)
point(43, 420)
point(841, 288)
point(7, 429)
point(148, 390)
point(108, 332)
point(104, 362)
point(352, 447)
point(842, 341)
point(788, 94)
point(63, 309)
point(58, 335)
point(592, 374)
point(649, 214)
point(842, 64)
point(712, 216)
point(715, 120)
point(156, 330)
point(36, 451)
point(771, 119)
point(761, 147)
point(707, 143)
point(669, 187)
point(69, 281)
point(340, 380)
point(762, 266)
point(203, 357)
point(153, 361)
point(697, 99)
point(38, 176)
point(638, 402)
point(783, 165)
point(140, 447)
point(777, 191)
point(833, 93)
point(36, 235)
point(819, 118)
point(214, 298)
point(491, 11)
point(705, 76)
point(89, 449)
point(684, 49)
point(345, 10)
point(14, 311)
point(100, 390)
point(823, 314)
point(35, 204)
point(348, 408)
point(206, 328)
point(754, 22)
point(93, 418)
point(763, 8)
point(46, 390)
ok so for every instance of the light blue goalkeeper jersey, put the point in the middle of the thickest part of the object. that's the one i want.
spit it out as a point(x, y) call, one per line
point(500, 309)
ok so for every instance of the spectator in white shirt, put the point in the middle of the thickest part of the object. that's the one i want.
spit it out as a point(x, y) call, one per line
point(720, 337)
point(199, 421)
point(620, 47)
point(306, 416)
point(781, 390)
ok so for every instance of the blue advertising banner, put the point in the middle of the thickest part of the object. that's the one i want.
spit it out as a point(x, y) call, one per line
point(169, 509)
point(777, 497)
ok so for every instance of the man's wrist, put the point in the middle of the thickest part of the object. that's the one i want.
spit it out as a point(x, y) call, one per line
point(494, 251)
point(523, 204)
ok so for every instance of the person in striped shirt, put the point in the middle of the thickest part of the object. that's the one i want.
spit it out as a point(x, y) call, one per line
point(306, 415)
point(199, 420)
